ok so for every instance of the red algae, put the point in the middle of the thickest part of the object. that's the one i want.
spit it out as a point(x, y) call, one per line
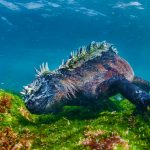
point(5, 103)
point(10, 140)
point(99, 140)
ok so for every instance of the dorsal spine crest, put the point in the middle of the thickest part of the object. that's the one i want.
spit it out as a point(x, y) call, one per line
point(86, 53)
point(77, 58)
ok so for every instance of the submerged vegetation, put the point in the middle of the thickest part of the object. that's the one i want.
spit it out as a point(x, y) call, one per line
point(114, 124)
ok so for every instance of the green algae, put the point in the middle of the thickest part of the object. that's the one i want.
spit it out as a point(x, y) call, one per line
point(66, 130)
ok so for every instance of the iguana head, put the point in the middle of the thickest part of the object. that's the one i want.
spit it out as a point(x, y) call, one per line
point(39, 96)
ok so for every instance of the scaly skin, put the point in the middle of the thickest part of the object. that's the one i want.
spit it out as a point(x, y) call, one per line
point(94, 72)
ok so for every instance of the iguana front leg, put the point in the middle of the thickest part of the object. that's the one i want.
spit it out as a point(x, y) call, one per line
point(133, 93)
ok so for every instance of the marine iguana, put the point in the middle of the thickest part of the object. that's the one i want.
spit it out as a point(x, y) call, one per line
point(91, 73)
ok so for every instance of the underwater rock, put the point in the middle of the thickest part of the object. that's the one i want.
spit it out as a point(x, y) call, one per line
point(93, 72)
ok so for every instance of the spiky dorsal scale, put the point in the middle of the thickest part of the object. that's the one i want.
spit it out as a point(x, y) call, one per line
point(89, 52)
point(44, 69)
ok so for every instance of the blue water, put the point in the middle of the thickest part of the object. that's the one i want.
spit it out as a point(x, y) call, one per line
point(32, 32)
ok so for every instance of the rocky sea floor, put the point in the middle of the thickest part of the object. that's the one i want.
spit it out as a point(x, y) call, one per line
point(114, 125)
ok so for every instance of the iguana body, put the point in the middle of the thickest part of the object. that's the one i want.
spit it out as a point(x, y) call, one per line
point(92, 73)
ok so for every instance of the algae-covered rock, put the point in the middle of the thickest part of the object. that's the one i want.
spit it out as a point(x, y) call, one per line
point(112, 125)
